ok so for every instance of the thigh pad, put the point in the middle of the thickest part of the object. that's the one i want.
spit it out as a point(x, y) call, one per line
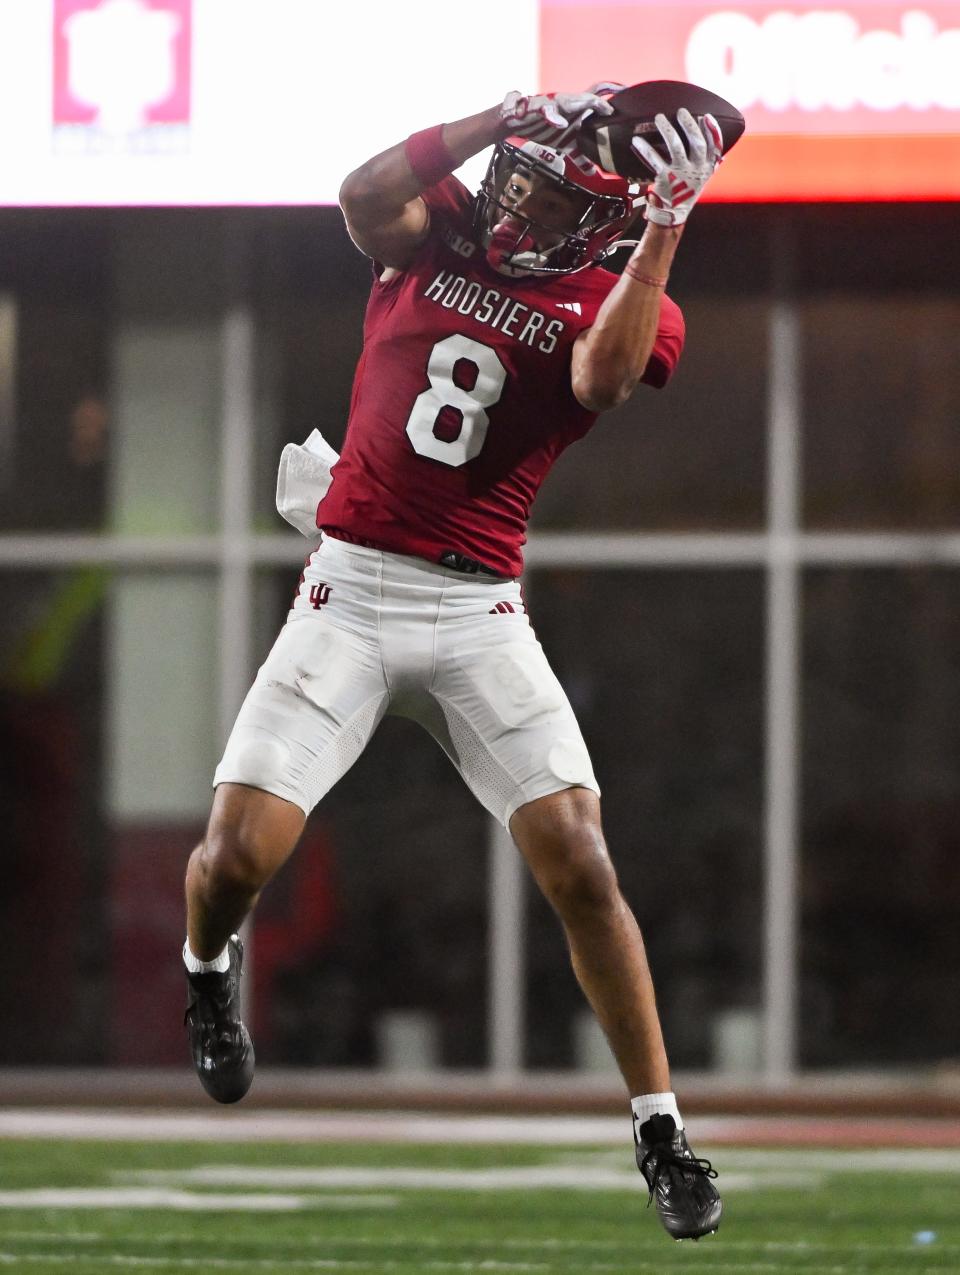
point(518, 683)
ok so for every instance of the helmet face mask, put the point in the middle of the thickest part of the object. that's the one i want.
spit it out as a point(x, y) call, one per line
point(538, 214)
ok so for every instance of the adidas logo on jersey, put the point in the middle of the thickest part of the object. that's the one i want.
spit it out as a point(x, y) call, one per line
point(574, 306)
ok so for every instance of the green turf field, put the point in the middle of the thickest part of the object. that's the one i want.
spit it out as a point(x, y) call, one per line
point(173, 1208)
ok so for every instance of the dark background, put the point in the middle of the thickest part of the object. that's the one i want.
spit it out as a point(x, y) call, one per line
point(384, 908)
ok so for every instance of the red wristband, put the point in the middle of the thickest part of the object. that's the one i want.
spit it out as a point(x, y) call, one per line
point(640, 277)
point(428, 156)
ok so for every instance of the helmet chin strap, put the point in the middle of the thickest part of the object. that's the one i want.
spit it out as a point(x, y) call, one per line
point(524, 256)
point(523, 263)
point(615, 247)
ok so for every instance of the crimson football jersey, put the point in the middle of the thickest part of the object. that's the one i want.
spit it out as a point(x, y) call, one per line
point(462, 398)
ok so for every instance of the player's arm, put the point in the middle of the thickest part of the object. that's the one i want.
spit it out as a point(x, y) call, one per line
point(381, 200)
point(610, 357)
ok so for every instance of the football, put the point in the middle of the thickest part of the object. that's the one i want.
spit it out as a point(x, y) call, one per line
point(606, 138)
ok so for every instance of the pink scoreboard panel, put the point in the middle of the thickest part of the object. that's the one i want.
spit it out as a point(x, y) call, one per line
point(854, 101)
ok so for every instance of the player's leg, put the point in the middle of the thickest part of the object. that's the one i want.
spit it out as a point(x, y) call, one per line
point(509, 728)
point(511, 732)
point(316, 701)
point(561, 838)
point(250, 835)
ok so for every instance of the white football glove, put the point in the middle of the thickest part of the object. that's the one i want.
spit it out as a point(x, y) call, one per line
point(680, 180)
point(551, 118)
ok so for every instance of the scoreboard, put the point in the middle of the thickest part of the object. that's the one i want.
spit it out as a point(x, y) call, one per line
point(842, 101)
point(193, 102)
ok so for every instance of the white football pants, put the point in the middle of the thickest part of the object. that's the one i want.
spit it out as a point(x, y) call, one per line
point(372, 633)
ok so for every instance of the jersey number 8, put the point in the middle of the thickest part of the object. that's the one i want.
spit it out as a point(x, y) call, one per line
point(469, 404)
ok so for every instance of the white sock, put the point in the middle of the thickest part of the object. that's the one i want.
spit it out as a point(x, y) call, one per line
point(219, 965)
point(651, 1104)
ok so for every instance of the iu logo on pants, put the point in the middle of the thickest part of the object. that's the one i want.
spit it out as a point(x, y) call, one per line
point(319, 595)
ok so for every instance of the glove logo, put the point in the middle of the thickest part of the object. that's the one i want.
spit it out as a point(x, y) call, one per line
point(679, 181)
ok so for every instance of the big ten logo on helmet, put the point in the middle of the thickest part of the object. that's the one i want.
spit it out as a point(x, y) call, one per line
point(494, 310)
point(121, 75)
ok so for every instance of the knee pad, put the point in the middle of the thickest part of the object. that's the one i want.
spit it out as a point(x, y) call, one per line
point(254, 756)
point(569, 760)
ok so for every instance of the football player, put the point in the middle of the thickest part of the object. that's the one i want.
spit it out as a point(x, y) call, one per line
point(493, 339)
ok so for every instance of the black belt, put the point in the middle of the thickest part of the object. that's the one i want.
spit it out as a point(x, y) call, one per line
point(469, 566)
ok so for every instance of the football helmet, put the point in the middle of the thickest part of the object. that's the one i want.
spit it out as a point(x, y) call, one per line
point(541, 212)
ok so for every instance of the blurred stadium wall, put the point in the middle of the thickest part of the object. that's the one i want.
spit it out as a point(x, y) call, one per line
point(748, 584)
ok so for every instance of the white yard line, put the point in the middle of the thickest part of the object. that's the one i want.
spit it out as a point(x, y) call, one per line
point(544, 1177)
point(76, 1237)
point(898, 1160)
point(183, 1201)
point(336, 1264)
point(415, 1264)
point(253, 1125)
point(630, 1244)
point(299, 1126)
point(226, 1263)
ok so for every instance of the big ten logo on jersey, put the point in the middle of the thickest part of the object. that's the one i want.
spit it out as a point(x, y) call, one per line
point(319, 595)
point(465, 247)
point(496, 311)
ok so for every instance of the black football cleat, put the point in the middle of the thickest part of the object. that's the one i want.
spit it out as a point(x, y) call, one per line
point(219, 1043)
point(688, 1204)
